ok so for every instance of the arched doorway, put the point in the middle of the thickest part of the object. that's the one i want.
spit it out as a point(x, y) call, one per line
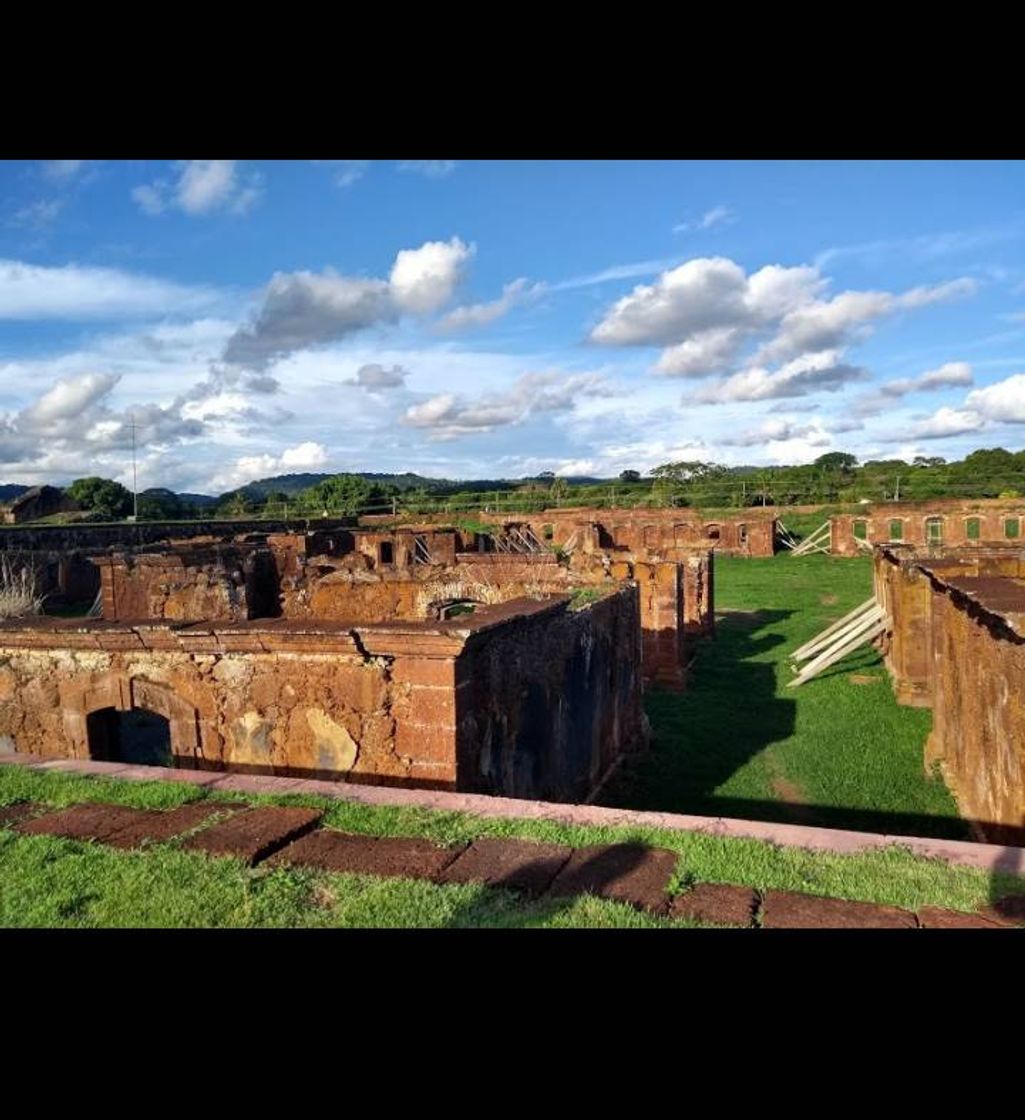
point(137, 736)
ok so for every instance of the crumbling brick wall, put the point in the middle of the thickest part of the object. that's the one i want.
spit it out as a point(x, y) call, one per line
point(939, 525)
point(958, 646)
point(398, 703)
point(548, 703)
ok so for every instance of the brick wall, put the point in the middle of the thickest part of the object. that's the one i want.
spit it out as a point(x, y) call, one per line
point(958, 646)
point(953, 522)
point(550, 696)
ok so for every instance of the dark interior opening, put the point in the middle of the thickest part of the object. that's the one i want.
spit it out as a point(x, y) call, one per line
point(138, 736)
point(387, 552)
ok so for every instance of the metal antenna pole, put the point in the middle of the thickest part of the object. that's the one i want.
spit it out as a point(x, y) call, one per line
point(135, 478)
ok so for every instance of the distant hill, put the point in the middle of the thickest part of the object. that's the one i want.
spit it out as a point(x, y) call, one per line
point(11, 490)
point(198, 499)
point(290, 484)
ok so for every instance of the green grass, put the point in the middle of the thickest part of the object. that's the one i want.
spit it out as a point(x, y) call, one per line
point(46, 881)
point(736, 743)
point(837, 752)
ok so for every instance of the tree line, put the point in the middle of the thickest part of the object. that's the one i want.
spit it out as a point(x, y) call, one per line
point(834, 478)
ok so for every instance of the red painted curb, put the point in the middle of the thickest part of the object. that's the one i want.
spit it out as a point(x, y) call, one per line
point(988, 857)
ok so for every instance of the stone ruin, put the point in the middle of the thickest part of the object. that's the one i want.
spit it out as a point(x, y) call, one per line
point(418, 656)
point(956, 644)
point(941, 524)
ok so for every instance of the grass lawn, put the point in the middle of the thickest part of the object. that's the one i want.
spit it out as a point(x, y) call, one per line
point(50, 882)
point(837, 752)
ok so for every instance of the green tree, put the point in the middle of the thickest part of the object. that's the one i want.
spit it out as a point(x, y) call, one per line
point(629, 476)
point(103, 496)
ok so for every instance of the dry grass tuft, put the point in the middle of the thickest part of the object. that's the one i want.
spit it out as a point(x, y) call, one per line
point(19, 592)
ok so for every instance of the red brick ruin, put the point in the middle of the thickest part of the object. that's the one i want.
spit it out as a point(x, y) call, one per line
point(957, 645)
point(982, 523)
point(420, 656)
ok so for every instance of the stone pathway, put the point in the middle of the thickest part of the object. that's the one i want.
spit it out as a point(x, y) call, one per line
point(639, 876)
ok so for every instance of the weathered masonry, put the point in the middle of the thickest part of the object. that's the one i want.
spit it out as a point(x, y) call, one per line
point(647, 533)
point(958, 646)
point(525, 698)
point(983, 523)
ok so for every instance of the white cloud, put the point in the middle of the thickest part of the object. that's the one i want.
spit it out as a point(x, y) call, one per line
point(429, 168)
point(29, 291)
point(304, 309)
point(423, 280)
point(948, 422)
point(304, 457)
point(481, 314)
point(1003, 401)
point(447, 416)
point(808, 374)
point(203, 186)
point(718, 215)
point(706, 353)
point(706, 311)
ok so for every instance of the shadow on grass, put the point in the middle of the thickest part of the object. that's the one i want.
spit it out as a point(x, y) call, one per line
point(729, 713)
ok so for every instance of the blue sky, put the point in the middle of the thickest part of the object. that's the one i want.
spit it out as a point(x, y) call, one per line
point(485, 319)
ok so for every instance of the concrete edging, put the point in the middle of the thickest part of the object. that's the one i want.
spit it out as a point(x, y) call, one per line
point(965, 853)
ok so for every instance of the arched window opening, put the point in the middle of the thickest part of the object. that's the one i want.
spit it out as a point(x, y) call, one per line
point(972, 529)
point(896, 529)
point(386, 552)
point(860, 530)
point(712, 532)
point(138, 737)
point(934, 530)
point(1012, 528)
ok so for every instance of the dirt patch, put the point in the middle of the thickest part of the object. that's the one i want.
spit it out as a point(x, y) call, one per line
point(829, 600)
point(88, 821)
point(863, 678)
point(716, 903)
point(387, 856)
point(786, 910)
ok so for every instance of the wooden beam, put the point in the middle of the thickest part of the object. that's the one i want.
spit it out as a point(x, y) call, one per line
point(799, 654)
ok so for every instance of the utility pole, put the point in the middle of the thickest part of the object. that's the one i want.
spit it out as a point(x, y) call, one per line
point(135, 477)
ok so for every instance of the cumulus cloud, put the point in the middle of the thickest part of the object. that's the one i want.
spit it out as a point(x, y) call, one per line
point(429, 168)
point(447, 416)
point(203, 186)
point(808, 374)
point(71, 422)
point(706, 311)
point(373, 377)
point(948, 422)
point(423, 280)
point(707, 352)
point(952, 373)
point(1003, 401)
point(304, 309)
point(306, 456)
point(718, 215)
point(30, 291)
point(481, 314)
point(945, 376)
point(37, 215)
